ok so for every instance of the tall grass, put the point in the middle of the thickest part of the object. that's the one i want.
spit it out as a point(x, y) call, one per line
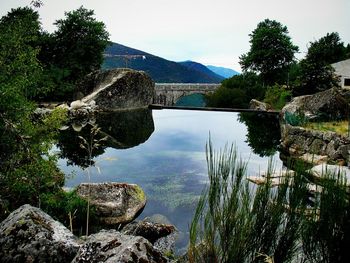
point(326, 233)
point(235, 223)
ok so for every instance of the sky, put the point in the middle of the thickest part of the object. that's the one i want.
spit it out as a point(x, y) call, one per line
point(212, 32)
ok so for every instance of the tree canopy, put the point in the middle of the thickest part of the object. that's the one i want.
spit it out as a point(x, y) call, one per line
point(80, 41)
point(316, 73)
point(271, 51)
point(71, 52)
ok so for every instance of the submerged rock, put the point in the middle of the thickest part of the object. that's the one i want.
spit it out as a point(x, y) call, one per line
point(30, 235)
point(116, 203)
point(326, 171)
point(112, 246)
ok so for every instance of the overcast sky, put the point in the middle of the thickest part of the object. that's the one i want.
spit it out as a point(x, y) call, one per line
point(212, 32)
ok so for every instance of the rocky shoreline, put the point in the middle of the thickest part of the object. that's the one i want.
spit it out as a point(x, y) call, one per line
point(30, 235)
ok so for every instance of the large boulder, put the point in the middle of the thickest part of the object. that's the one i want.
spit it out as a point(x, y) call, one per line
point(118, 88)
point(30, 235)
point(115, 203)
point(112, 246)
point(331, 104)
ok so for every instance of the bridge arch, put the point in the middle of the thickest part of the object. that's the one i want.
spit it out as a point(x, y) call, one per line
point(168, 94)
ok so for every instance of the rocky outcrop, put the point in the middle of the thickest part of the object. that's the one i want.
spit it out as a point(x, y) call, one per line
point(30, 235)
point(162, 236)
point(259, 105)
point(298, 141)
point(112, 246)
point(115, 203)
point(331, 104)
point(117, 88)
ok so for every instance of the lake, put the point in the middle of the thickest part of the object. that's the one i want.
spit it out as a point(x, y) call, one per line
point(163, 151)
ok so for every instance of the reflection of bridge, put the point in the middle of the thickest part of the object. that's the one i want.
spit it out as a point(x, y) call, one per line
point(168, 93)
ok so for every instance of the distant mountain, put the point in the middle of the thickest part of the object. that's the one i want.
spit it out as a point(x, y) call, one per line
point(224, 72)
point(201, 68)
point(161, 70)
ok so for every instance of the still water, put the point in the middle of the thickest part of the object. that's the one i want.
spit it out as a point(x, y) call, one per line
point(163, 151)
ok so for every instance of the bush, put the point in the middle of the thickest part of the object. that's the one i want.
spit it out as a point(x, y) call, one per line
point(68, 208)
point(277, 96)
point(236, 92)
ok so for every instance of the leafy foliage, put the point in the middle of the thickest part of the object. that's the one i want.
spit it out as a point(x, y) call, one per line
point(80, 42)
point(271, 52)
point(72, 51)
point(277, 96)
point(316, 74)
point(236, 92)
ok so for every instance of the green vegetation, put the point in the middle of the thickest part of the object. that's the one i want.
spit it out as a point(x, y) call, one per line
point(263, 132)
point(271, 52)
point(237, 223)
point(340, 127)
point(71, 52)
point(30, 69)
point(271, 59)
point(234, 223)
point(236, 92)
point(316, 74)
point(277, 96)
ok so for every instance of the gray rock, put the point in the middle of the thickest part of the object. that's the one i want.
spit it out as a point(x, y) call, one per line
point(116, 203)
point(30, 235)
point(118, 88)
point(112, 246)
point(162, 236)
point(157, 218)
point(331, 104)
point(321, 171)
point(259, 105)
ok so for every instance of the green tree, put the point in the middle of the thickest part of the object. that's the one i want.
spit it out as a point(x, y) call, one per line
point(79, 43)
point(26, 168)
point(316, 74)
point(327, 50)
point(271, 52)
point(237, 91)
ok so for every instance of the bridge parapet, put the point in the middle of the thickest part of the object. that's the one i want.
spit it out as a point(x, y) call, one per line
point(168, 93)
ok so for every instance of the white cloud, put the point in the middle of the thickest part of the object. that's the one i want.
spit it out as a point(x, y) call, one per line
point(211, 32)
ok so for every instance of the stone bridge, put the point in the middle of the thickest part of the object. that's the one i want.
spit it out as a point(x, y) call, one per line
point(167, 94)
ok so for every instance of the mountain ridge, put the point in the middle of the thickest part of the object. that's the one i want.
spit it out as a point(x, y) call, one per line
point(160, 69)
point(222, 71)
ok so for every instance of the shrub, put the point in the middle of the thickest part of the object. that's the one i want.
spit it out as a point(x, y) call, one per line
point(277, 96)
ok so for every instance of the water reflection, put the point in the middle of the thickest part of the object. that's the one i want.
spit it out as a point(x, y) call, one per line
point(170, 164)
point(263, 132)
point(123, 130)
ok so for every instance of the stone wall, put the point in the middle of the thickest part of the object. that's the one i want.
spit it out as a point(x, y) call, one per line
point(297, 141)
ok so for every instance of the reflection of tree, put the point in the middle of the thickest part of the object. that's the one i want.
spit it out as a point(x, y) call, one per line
point(123, 129)
point(263, 132)
point(69, 144)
